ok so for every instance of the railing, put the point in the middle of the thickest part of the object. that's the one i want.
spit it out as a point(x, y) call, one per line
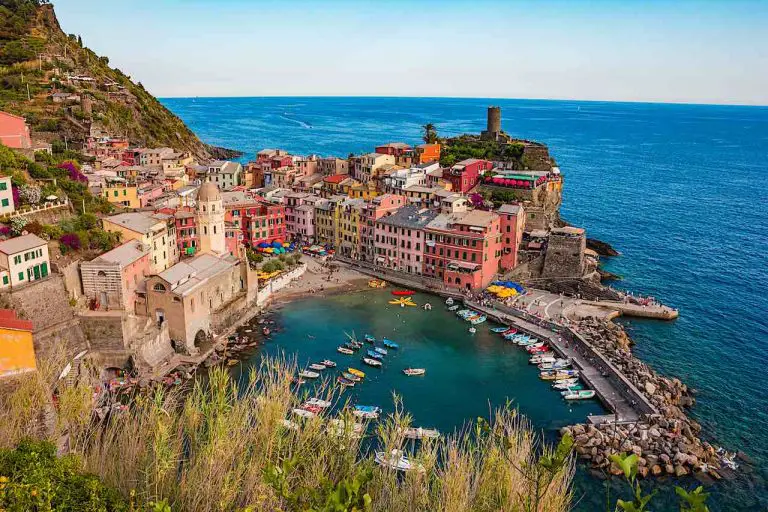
point(28, 210)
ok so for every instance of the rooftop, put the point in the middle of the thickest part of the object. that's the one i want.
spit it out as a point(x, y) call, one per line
point(187, 275)
point(124, 254)
point(413, 217)
point(476, 218)
point(509, 209)
point(139, 222)
point(21, 244)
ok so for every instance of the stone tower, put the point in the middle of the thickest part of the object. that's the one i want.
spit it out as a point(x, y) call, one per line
point(210, 220)
point(493, 128)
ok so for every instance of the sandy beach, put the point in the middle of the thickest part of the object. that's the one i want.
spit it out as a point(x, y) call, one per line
point(319, 280)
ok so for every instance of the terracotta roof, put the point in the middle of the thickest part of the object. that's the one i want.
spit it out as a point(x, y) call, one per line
point(336, 178)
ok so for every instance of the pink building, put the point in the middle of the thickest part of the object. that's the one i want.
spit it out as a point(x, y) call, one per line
point(373, 210)
point(512, 226)
point(464, 175)
point(111, 280)
point(14, 132)
point(400, 239)
point(463, 249)
point(149, 192)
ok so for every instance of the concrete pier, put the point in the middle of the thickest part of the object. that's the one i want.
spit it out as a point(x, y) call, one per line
point(658, 312)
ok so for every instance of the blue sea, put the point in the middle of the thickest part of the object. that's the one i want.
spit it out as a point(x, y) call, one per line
point(680, 190)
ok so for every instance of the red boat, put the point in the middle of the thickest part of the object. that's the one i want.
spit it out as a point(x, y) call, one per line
point(536, 350)
point(511, 330)
point(402, 293)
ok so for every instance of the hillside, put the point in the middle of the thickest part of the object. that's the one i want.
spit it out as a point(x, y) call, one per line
point(38, 59)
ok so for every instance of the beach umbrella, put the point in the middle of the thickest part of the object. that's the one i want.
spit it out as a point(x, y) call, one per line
point(263, 245)
point(276, 244)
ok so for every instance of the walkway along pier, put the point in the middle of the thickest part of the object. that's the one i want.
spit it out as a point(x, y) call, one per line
point(615, 391)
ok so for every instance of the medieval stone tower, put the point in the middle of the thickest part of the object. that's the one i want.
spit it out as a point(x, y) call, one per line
point(493, 128)
point(210, 220)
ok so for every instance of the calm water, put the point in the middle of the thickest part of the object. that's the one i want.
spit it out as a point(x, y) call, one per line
point(679, 190)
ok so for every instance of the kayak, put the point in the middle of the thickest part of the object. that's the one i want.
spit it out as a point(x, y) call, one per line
point(402, 293)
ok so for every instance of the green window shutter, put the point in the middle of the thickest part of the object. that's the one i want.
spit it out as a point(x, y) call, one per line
point(5, 202)
point(21, 276)
point(3, 186)
point(5, 279)
point(44, 268)
point(115, 193)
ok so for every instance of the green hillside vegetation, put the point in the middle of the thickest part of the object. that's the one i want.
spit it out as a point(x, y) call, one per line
point(456, 149)
point(35, 59)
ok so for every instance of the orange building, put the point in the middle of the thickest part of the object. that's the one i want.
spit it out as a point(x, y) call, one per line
point(428, 153)
point(17, 352)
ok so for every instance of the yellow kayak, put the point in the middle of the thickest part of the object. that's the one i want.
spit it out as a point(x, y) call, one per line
point(353, 371)
point(404, 301)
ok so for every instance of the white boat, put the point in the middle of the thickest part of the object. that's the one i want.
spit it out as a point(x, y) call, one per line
point(566, 384)
point(535, 345)
point(372, 362)
point(414, 371)
point(308, 374)
point(397, 460)
point(419, 433)
point(478, 320)
point(449, 301)
point(345, 350)
point(427, 307)
point(453, 308)
point(368, 412)
point(472, 330)
point(324, 404)
point(303, 413)
point(317, 366)
point(340, 427)
point(542, 359)
point(380, 350)
point(328, 363)
point(584, 394)
point(557, 364)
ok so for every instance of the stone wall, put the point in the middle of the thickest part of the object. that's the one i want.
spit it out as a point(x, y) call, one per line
point(565, 255)
point(279, 283)
point(228, 313)
point(70, 273)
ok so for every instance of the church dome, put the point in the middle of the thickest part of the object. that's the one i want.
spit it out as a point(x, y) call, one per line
point(208, 192)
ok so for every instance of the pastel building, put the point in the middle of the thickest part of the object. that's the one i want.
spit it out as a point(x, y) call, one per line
point(428, 153)
point(14, 132)
point(373, 210)
point(6, 196)
point(367, 166)
point(23, 259)
point(512, 226)
point(463, 249)
point(400, 239)
point(226, 175)
point(17, 350)
point(465, 175)
point(347, 235)
point(147, 229)
point(112, 279)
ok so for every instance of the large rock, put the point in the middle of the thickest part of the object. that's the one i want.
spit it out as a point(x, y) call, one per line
point(656, 470)
point(680, 470)
point(650, 388)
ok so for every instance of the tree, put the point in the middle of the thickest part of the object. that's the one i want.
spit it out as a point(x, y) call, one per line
point(430, 133)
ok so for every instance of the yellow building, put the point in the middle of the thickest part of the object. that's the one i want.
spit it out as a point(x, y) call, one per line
point(17, 352)
point(122, 194)
point(347, 233)
point(327, 220)
point(359, 190)
point(149, 230)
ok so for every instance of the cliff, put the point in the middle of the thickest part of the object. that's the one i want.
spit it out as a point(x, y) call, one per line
point(38, 59)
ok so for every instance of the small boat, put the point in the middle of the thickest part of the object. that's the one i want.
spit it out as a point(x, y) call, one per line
point(345, 382)
point(449, 301)
point(376, 283)
point(351, 346)
point(411, 372)
point(340, 427)
point(402, 293)
point(558, 374)
point(548, 357)
point(312, 408)
point(351, 376)
point(299, 381)
point(317, 366)
point(472, 330)
point(535, 345)
point(453, 308)
point(381, 351)
point(499, 329)
point(308, 374)
point(367, 411)
point(463, 312)
point(329, 364)
point(537, 350)
point(397, 460)
point(567, 384)
point(369, 338)
point(419, 433)
point(478, 320)
point(427, 307)
point(345, 350)
point(323, 404)
point(557, 364)
point(372, 362)
point(390, 344)
point(582, 394)
point(374, 355)
point(354, 371)
point(571, 388)
point(303, 413)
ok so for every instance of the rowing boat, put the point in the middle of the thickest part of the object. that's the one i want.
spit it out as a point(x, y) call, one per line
point(329, 364)
point(398, 461)
point(419, 433)
point(350, 376)
point(381, 351)
point(345, 350)
point(374, 355)
point(345, 382)
point(582, 394)
point(354, 371)
point(390, 344)
point(317, 366)
point(308, 374)
point(323, 404)
point(411, 372)
point(372, 362)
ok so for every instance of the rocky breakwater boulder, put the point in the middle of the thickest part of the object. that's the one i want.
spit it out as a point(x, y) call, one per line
point(667, 443)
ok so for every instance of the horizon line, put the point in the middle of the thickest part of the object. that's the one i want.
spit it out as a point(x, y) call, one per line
point(365, 96)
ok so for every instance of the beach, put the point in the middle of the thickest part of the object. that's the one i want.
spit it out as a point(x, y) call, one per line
point(322, 278)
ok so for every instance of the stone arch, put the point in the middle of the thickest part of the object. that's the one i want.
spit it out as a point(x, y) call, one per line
point(200, 338)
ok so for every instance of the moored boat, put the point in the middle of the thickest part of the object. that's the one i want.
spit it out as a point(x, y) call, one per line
point(582, 394)
point(427, 307)
point(449, 301)
point(558, 374)
point(390, 344)
point(411, 372)
point(397, 460)
point(543, 358)
point(357, 372)
point(453, 308)
point(419, 433)
point(499, 329)
point(402, 293)
point(317, 366)
point(308, 374)
point(369, 338)
point(570, 388)
point(381, 351)
point(317, 402)
point(472, 330)
point(372, 362)
point(374, 354)
point(350, 376)
point(303, 413)
point(370, 412)
point(329, 364)
point(345, 382)
point(345, 350)
point(478, 320)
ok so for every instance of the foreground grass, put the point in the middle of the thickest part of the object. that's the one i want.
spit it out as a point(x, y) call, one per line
point(219, 446)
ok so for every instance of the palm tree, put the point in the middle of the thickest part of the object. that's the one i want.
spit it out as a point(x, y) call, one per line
point(430, 133)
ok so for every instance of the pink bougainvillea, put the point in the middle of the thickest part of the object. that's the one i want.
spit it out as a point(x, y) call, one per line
point(70, 240)
point(74, 171)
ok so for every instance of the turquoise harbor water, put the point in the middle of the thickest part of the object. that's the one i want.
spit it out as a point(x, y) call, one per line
point(680, 190)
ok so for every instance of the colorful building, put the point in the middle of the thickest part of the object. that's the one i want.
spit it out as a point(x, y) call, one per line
point(258, 219)
point(428, 153)
point(150, 231)
point(17, 350)
point(14, 132)
point(464, 175)
point(463, 249)
point(347, 238)
point(326, 219)
point(23, 259)
point(367, 166)
point(374, 210)
point(512, 227)
point(400, 239)
point(6, 196)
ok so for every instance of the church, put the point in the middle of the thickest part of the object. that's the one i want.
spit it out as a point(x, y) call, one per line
point(199, 296)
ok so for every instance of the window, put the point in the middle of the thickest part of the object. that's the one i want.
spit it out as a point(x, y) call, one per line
point(5, 201)
point(3, 185)
point(5, 280)
point(21, 276)
point(159, 287)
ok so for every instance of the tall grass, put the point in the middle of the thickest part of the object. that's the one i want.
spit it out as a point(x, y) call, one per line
point(219, 447)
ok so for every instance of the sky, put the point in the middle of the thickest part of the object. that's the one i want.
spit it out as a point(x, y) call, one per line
point(683, 51)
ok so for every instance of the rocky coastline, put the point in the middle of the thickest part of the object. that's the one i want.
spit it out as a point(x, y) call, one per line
point(668, 443)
